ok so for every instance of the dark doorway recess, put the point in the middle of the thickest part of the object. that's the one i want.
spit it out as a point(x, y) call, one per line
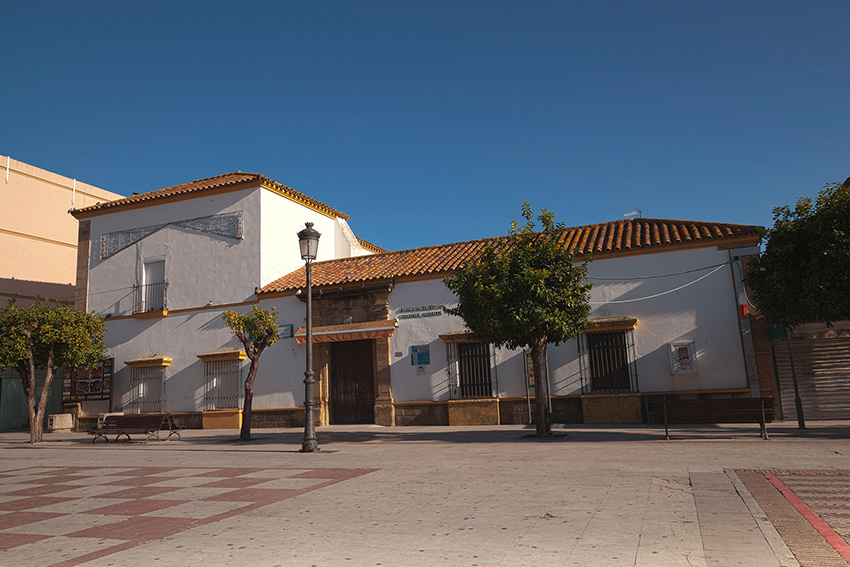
point(351, 387)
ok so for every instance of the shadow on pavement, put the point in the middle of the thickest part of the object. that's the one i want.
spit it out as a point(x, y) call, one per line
point(375, 435)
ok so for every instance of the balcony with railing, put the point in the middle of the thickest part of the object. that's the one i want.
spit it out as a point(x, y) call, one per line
point(150, 297)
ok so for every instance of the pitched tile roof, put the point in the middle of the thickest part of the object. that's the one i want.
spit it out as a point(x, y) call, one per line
point(630, 236)
point(208, 183)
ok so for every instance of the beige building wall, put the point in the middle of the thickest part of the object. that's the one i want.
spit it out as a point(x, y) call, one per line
point(38, 237)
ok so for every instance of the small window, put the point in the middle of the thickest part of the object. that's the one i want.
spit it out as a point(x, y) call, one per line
point(222, 379)
point(469, 369)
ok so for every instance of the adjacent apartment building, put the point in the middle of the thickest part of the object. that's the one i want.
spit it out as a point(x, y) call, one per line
point(38, 251)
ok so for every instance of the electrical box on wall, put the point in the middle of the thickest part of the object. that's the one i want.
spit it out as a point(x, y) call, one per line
point(683, 358)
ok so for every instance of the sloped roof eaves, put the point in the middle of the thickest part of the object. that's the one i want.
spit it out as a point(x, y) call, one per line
point(227, 181)
point(618, 237)
point(371, 247)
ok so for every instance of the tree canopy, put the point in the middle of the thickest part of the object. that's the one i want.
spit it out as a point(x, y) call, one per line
point(525, 291)
point(803, 275)
point(45, 337)
point(256, 331)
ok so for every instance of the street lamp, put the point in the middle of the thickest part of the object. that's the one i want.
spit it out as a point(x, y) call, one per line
point(308, 241)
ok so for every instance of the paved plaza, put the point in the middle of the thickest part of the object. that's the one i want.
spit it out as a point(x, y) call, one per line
point(422, 496)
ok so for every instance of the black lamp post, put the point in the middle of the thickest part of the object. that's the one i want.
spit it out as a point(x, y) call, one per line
point(308, 240)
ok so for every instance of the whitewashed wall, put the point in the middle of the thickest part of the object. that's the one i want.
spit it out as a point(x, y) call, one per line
point(705, 312)
point(199, 267)
point(434, 383)
point(282, 219)
point(205, 269)
point(183, 336)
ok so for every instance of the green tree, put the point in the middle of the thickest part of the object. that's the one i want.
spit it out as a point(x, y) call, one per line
point(803, 275)
point(525, 291)
point(257, 331)
point(44, 337)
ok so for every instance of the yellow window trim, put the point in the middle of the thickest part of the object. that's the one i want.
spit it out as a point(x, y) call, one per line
point(464, 336)
point(150, 314)
point(148, 362)
point(223, 355)
point(611, 324)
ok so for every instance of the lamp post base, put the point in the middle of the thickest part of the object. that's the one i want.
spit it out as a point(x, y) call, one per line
point(310, 446)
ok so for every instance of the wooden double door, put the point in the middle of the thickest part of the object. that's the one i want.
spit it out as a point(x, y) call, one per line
point(351, 388)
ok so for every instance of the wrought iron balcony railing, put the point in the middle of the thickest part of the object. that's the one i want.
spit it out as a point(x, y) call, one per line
point(150, 297)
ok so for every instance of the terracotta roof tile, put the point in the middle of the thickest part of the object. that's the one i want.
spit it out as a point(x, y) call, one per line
point(206, 184)
point(599, 240)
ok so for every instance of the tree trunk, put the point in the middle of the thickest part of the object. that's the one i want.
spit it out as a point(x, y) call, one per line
point(27, 375)
point(245, 433)
point(541, 388)
point(37, 433)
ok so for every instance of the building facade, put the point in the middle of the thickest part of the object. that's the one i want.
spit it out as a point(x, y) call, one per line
point(161, 267)
point(668, 316)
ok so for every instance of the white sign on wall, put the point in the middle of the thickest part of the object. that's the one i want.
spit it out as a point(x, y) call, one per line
point(420, 312)
point(683, 358)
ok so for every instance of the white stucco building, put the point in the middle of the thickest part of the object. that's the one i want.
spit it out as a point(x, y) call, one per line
point(163, 266)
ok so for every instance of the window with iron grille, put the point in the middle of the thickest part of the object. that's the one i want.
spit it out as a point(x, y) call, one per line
point(145, 390)
point(609, 366)
point(222, 379)
point(469, 368)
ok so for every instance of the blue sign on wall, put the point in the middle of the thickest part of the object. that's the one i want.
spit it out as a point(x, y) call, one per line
point(420, 355)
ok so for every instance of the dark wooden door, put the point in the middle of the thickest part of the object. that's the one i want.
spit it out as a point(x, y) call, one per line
point(351, 388)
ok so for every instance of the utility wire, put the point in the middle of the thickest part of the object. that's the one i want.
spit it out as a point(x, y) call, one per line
point(659, 294)
point(659, 275)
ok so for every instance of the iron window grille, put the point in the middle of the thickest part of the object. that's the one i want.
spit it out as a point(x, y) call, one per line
point(150, 297)
point(607, 362)
point(470, 369)
point(222, 379)
point(145, 390)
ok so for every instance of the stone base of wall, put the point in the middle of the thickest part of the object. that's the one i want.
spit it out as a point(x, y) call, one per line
point(385, 414)
point(421, 413)
point(514, 411)
point(566, 409)
point(222, 419)
point(189, 420)
point(691, 395)
point(612, 408)
point(277, 417)
point(474, 412)
point(705, 395)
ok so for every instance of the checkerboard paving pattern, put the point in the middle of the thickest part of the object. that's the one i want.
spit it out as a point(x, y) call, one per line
point(809, 508)
point(66, 516)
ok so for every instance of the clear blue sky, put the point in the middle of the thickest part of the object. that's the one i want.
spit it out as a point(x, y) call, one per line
point(431, 122)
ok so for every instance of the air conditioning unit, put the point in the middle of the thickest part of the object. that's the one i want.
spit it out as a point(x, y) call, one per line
point(60, 422)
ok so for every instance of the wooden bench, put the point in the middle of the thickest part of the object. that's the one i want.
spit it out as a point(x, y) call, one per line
point(149, 424)
point(734, 410)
